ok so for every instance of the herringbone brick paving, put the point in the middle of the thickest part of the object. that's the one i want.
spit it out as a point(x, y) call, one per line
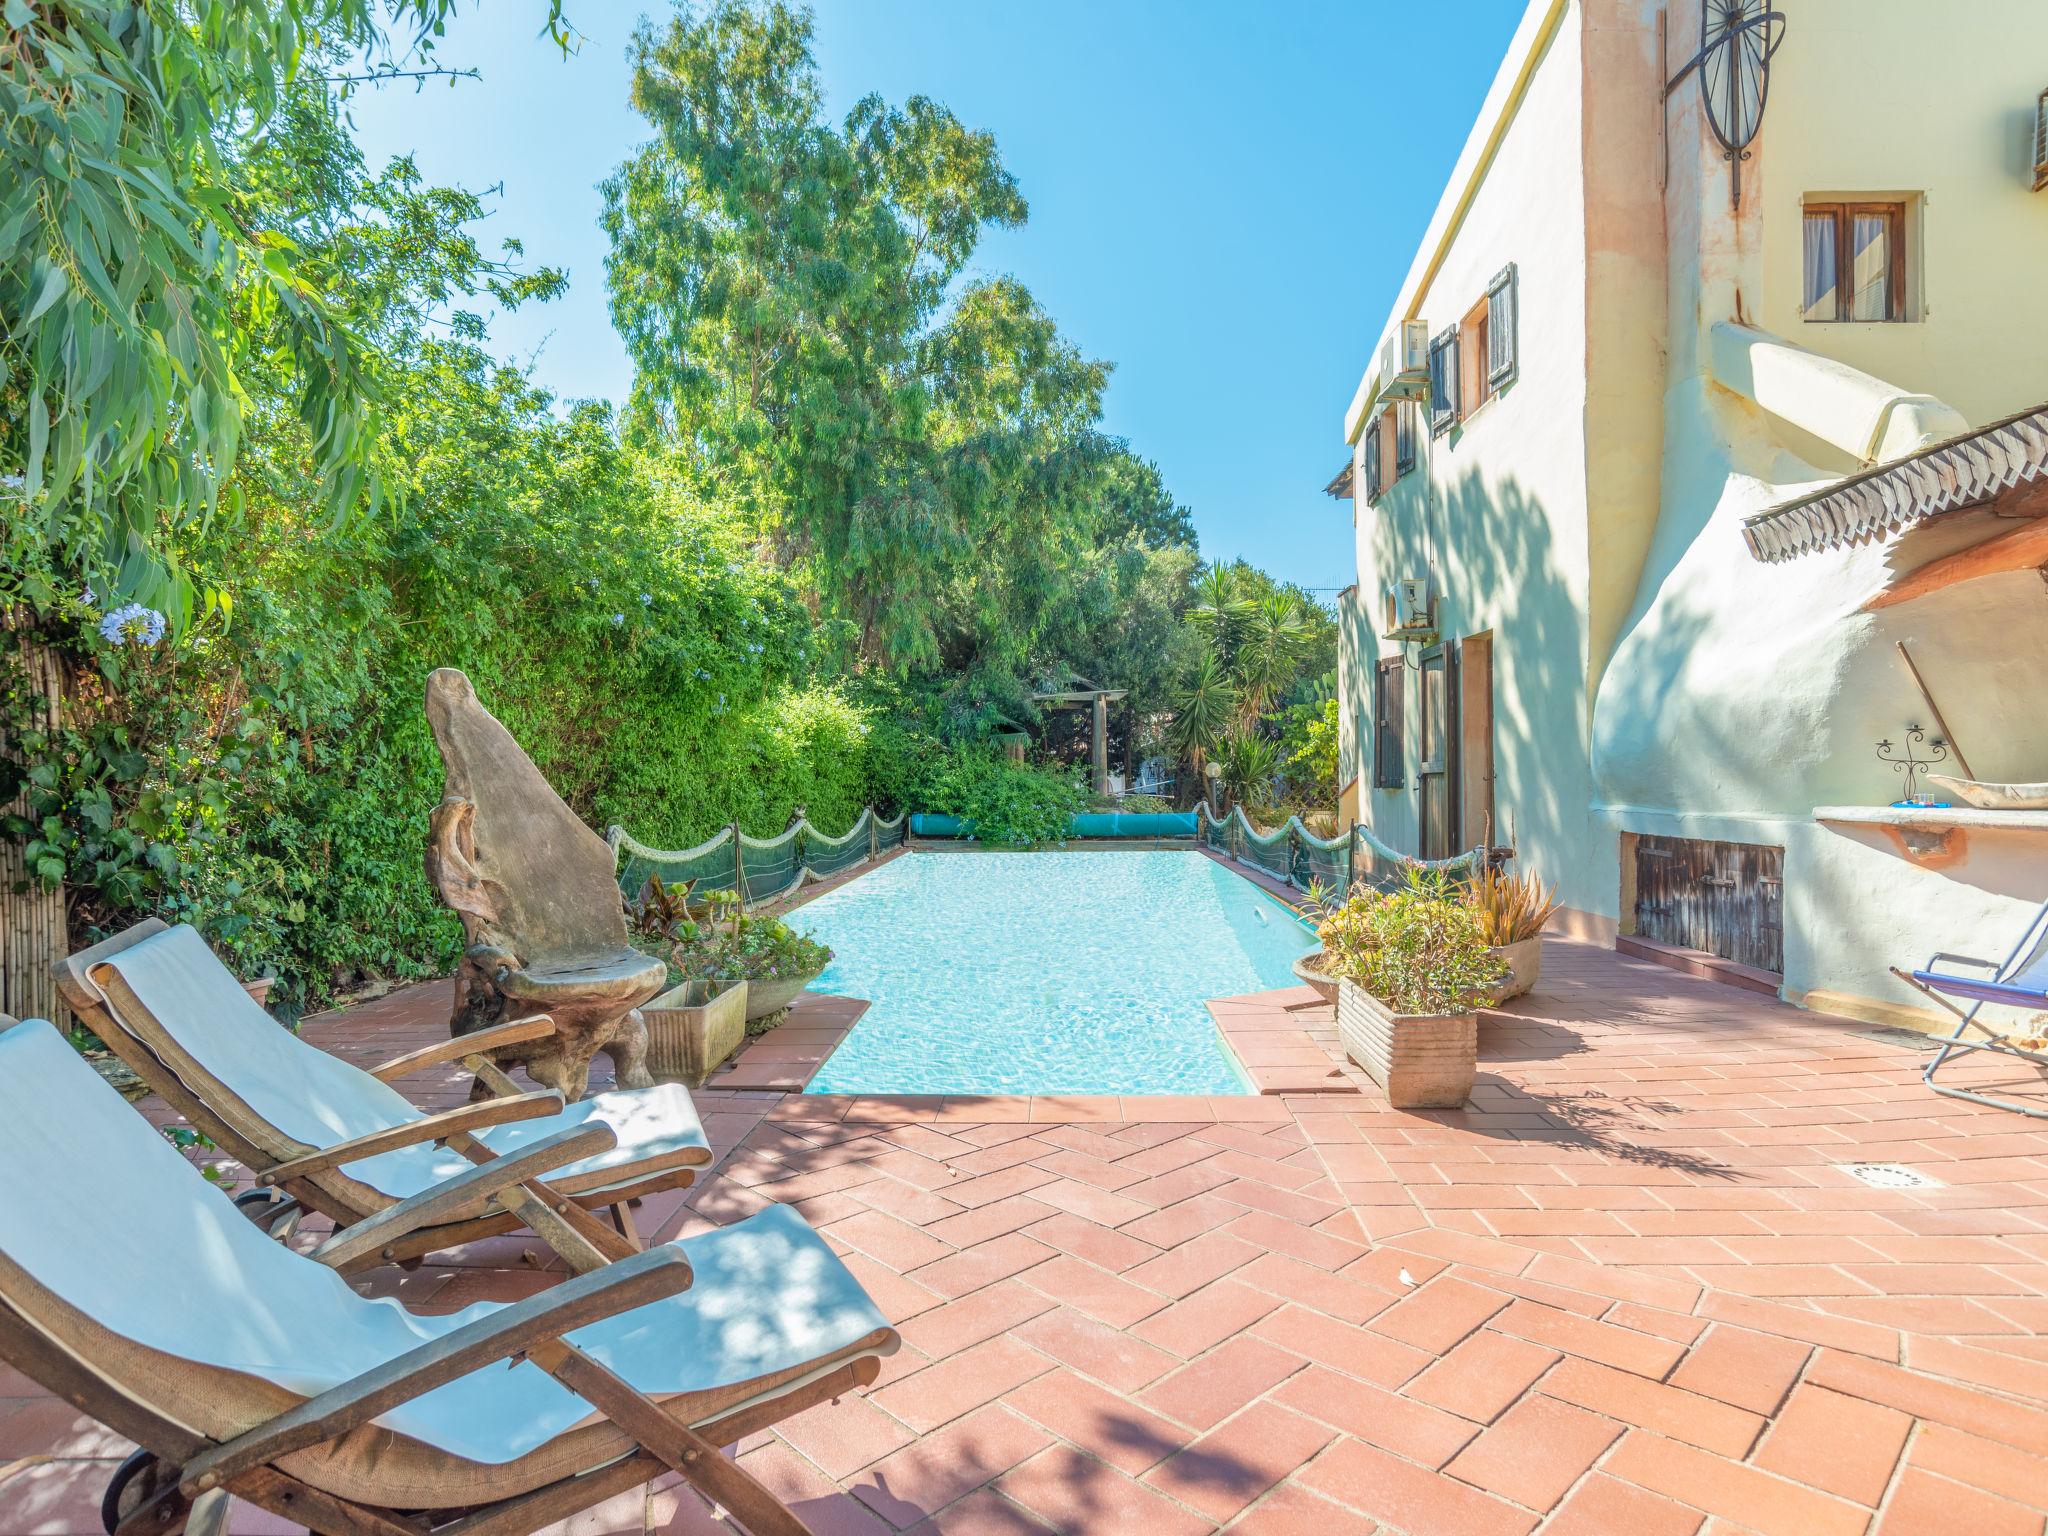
point(1631, 1288)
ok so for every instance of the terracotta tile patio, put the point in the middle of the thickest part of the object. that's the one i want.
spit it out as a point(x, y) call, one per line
point(1631, 1288)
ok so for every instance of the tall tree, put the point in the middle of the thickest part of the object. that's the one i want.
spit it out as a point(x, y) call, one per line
point(135, 300)
point(791, 290)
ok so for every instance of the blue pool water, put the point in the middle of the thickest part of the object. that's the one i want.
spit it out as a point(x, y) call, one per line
point(1045, 972)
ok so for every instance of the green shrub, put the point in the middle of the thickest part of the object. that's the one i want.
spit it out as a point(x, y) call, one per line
point(1012, 805)
point(724, 944)
point(1421, 950)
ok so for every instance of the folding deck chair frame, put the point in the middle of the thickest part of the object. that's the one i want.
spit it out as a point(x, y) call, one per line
point(375, 1228)
point(180, 1478)
point(2001, 986)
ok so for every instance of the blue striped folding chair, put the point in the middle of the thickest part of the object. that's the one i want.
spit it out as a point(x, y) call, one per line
point(2019, 981)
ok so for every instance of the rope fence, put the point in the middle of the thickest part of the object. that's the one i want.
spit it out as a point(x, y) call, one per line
point(759, 869)
point(764, 869)
point(1293, 854)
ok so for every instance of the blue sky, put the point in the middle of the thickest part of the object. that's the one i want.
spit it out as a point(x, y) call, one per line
point(1223, 197)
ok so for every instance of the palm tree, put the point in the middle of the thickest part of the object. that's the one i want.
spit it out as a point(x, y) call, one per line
point(1249, 762)
point(1219, 609)
point(1202, 711)
point(1274, 640)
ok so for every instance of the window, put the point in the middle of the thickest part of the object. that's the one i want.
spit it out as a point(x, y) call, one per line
point(1443, 382)
point(1388, 764)
point(1369, 459)
point(1404, 437)
point(1473, 388)
point(1855, 262)
point(1502, 361)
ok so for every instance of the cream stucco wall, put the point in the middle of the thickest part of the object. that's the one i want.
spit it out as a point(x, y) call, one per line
point(1497, 507)
point(1743, 695)
point(1883, 98)
point(1651, 676)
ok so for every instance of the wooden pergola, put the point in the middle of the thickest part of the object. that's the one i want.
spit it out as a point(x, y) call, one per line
point(1078, 692)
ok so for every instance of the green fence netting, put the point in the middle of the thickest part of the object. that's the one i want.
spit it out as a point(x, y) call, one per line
point(1294, 854)
point(761, 868)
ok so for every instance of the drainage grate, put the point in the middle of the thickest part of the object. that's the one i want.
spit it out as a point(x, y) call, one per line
point(1890, 1176)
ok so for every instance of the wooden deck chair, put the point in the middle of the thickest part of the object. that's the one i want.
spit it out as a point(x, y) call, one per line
point(341, 1141)
point(2018, 981)
point(132, 1288)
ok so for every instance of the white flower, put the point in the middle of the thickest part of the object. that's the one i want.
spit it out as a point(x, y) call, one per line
point(132, 625)
point(618, 619)
point(646, 599)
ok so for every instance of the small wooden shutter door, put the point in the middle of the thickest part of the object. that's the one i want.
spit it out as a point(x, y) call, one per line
point(1502, 361)
point(1443, 382)
point(1386, 740)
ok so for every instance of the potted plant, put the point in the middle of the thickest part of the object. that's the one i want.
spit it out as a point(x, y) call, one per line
point(1412, 967)
point(1317, 903)
point(1512, 910)
point(773, 959)
point(692, 1027)
point(698, 1020)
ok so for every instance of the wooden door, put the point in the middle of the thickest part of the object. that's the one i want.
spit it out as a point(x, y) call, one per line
point(1726, 899)
point(1435, 806)
point(1475, 742)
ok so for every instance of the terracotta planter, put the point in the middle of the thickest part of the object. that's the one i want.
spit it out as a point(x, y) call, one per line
point(766, 997)
point(1309, 970)
point(1524, 960)
point(1423, 1061)
point(694, 1027)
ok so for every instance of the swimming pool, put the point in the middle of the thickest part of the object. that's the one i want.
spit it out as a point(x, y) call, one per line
point(1045, 972)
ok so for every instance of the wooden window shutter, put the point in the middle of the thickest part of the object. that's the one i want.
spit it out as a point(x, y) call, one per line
point(1369, 452)
point(1443, 382)
point(1502, 362)
point(1387, 752)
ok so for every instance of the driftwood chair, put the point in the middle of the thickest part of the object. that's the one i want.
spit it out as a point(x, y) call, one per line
point(240, 1366)
point(338, 1140)
point(535, 891)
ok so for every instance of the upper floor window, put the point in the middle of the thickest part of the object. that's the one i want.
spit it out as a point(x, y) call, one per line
point(1369, 459)
point(1404, 437)
point(1855, 262)
point(1443, 382)
point(1502, 360)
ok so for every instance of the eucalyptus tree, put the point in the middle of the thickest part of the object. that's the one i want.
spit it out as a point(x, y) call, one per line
point(920, 446)
point(135, 293)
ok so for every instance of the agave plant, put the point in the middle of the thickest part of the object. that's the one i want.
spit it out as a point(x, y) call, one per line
point(1274, 639)
point(1510, 908)
point(1202, 710)
point(1219, 609)
point(1249, 762)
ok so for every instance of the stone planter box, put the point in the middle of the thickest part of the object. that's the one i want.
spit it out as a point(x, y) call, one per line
point(694, 1027)
point(1423, 1061)
point(766, 997)
point(1524, 960)
point(1309, 971)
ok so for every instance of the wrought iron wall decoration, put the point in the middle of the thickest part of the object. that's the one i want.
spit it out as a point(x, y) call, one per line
point(1737, 39)
point(1903, 761)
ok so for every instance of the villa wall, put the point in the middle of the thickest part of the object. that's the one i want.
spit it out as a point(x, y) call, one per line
point(1651, 676)
point(1743, 695)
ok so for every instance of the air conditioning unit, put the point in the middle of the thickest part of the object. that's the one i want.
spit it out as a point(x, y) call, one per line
point(1404, 362)
point(2041, 142)
point(1410, 609)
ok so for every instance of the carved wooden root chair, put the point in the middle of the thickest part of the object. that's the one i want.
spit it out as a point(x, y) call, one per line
point(324, 1135)
point(536, 893)
point(242, 1367)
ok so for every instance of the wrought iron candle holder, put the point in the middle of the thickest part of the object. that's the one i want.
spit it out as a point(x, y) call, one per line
point(1904, 761)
